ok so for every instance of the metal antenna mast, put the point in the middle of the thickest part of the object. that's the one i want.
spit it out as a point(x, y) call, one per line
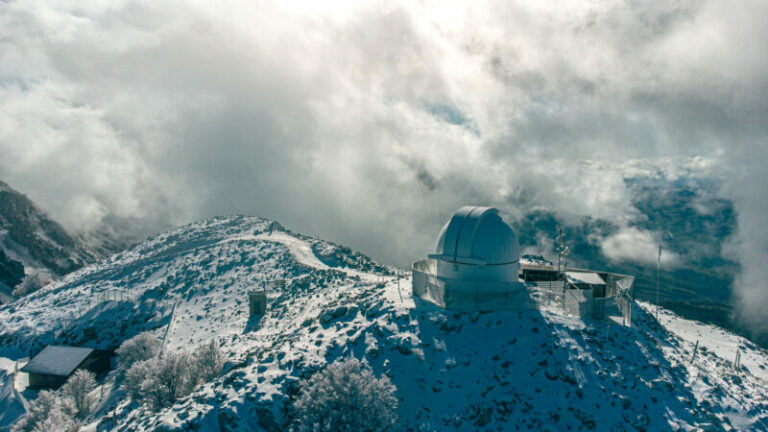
point(658, 269)
point(665, 236)
point(562, 251)
point(562, 246)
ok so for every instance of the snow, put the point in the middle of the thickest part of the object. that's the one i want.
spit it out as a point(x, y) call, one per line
point(12, 403)
point(716, 340)
point(491, 371)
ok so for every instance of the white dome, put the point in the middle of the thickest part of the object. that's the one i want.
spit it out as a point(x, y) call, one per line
point(477, 235)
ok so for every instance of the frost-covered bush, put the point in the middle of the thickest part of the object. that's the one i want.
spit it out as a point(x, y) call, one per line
point(32, 283)
point(345, 396)
point(136, 375)
point(143, 346)
point(208, 362)
point(159, 382)
point(49, 412)
point(78, 389)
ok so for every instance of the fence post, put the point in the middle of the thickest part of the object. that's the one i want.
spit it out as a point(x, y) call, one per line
point(398, 286)
point(695, 349)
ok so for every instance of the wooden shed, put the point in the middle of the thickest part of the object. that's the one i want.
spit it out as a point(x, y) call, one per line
point(51, 367)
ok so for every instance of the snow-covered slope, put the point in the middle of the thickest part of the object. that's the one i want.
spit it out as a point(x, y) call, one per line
point(516, 370)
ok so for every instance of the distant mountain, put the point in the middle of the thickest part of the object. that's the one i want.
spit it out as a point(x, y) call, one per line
point(510, 370)
point(31, 243)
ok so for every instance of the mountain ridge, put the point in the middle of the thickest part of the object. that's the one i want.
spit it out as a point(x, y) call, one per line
point(535, 369)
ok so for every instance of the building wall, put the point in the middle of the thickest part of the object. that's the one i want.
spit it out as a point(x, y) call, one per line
point(499, 273)
point(579, 302)
point(98, 362)
point(468, 294)
point(46, 381)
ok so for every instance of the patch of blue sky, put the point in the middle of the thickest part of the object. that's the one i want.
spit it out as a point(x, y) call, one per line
point(452, 115)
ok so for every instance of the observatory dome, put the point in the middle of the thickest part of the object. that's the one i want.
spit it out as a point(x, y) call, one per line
point(477, 235)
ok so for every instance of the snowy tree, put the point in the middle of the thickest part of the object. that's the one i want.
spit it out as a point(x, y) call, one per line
point(208, 362)
point(49, 412)
point(78, 389)
point(345, 396)
point(143, 346)
point(136, 375)
point(161, 381)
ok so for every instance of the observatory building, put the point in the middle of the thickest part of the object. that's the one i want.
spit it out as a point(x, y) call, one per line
point(475, 265)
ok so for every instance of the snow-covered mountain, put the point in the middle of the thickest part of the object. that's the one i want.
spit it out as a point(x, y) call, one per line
point(31, 242)
point(515, 370)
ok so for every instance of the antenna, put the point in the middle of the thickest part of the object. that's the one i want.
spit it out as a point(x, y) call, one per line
point(665, 236)
point(562, 246)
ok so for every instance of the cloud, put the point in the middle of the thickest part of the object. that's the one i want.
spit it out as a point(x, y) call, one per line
point(369, 123)
point(633, 244)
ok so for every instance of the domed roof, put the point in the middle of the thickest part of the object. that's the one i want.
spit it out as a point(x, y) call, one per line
point(477, 235)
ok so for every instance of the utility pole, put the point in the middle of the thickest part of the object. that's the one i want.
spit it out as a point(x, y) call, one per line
point(562, 251)
point(658, 270)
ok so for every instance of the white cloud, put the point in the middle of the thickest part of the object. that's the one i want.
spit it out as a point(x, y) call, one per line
point(633, 244)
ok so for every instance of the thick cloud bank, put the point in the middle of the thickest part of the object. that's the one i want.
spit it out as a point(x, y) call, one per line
point(370, 122)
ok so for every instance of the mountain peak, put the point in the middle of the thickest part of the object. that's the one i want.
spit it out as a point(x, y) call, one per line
point(532, 369)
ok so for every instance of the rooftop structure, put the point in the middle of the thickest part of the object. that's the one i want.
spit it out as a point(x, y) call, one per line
point(53, 365)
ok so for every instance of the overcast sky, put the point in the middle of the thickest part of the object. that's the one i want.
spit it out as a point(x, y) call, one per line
point(369, 123)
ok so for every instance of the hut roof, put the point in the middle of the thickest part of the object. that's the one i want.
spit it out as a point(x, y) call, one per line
point(590, 278)
point(57, 360)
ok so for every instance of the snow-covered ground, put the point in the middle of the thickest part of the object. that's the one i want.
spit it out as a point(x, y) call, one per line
point(514, 370)
point(721, 342)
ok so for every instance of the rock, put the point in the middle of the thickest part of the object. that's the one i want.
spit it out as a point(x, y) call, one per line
point(484, 416)
point(404, 349)
point(551, 372)
point(267, 420)
point(228, 419)
point(641, 422)
point(331, 314)
point(567, 376)
point(447, 326)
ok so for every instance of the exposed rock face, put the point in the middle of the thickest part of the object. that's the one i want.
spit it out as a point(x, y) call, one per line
point(11, 272)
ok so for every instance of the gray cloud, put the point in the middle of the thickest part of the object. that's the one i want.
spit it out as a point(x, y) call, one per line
point(369, 124)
